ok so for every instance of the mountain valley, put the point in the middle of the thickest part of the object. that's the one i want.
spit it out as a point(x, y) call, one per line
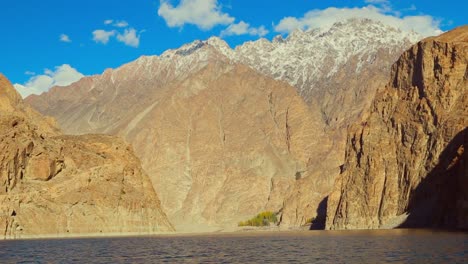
point(306, 126)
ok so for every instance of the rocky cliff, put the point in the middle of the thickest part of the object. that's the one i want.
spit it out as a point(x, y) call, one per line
point(406, 163)
point(55, 185)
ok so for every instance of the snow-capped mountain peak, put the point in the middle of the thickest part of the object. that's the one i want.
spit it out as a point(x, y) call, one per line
point(305, 56)
point(303, 59)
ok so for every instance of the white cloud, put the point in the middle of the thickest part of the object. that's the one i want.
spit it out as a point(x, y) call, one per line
point(29, 73)
point(102, 36)
point(64, 38)
point(116, 23)
point(242, 28)
point(62, 75)
point(260, 31)
point(129, 37)
point(35, 85)
point(205, 14)
point(121, 24)
point(422, 24)
point(289, 24)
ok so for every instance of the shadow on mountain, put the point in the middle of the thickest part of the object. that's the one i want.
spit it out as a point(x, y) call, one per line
point(441, 199)
point(319, 222)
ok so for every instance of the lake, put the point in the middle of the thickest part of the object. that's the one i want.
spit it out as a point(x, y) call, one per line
point(382, 246)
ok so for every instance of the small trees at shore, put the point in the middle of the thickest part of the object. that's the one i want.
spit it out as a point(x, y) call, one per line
point(262, 219)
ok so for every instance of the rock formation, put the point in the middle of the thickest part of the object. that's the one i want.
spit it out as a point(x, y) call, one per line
point(222, 142)
point(55, 185)
point(406, 162)
point(336, 71)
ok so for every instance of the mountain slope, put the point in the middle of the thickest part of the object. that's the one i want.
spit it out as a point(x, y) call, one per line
point(99, 103)
point(227, 143)
point(172, 108)
point(338, 69)
point(220, 141)
point(406, 163)
point(55, 185)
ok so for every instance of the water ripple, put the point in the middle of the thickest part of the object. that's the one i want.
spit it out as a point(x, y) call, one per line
point(391, 246)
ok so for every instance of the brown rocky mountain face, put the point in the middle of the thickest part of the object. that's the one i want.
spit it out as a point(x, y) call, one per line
point(220, 141)
point(229, 143)
point(337, 69)
point(55, 185)
point(220, 149)
point(406, 163)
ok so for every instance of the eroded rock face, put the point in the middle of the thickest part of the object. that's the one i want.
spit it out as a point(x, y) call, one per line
point(220, 141)
point(55, 185)
point(228, 143)
point(406, 162)
point(220, 149)
point(337, 69)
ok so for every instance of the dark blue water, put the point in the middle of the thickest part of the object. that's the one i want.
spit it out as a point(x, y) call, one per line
point(393, 246)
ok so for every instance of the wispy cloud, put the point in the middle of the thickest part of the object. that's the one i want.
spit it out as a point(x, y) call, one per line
point(102, 36)
point(64, 38)
point(325, 18)
point(129, 37)
point(243, 28)
point(205, 14)
point(61, 76)
point(121, 24)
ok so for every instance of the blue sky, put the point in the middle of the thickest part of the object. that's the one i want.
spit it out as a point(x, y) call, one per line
point(60, 41)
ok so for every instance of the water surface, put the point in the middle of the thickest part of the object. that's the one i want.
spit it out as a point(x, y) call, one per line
point(392, 246)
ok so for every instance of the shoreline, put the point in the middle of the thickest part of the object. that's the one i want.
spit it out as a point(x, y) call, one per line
point(220, 231)
point(240, 232)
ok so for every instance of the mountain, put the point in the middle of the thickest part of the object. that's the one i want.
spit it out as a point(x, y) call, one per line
point(220, 138)
point(328, 66)
point(406, 163)
point(220, 141)
point(56, 185)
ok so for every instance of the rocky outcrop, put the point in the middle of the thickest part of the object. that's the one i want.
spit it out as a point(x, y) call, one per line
point(55, 185)
point(406, 163)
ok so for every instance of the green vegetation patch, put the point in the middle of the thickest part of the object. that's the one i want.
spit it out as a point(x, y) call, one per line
point(262, 219)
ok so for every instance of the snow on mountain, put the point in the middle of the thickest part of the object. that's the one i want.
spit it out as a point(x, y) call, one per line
point(337, 68)
point(326, 66)
point(301, 59)
point(305, 56)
